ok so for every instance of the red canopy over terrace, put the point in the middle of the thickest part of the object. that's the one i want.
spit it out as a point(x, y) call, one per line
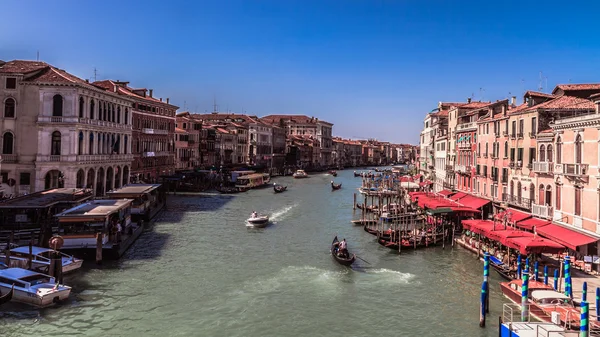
point(458, 196)
point(530, 245)
point(445, 192)
point(512, 215)
point(501, 234)
point(473, 202)
point(415, 195)
point(532, 222)
point(479, 226)
point(564, 236)
point(426, 183)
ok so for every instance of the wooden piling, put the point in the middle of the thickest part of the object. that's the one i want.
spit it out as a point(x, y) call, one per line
point(98, 248)
point(354, 202)
point(30, 257)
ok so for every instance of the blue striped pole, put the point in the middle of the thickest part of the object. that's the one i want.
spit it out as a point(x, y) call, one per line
point(486, 275)
point(584, 322)
point(546, 275)
point(556, 279)
point(482, 306)
point(526, 263)
point(536, 271)
point(597, 304)
point(568, 289)
point(584, 292)
point(519, 266)
point(524, 291)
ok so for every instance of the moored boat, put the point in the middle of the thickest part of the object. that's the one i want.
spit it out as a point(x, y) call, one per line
point(250, 181)
point(337, 255)
point(32, 288)
point(40, 259)
point(300, 174)
point(8, 296)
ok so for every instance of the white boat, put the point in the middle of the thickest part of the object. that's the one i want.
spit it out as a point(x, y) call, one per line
point(41, 259)
point(32, 288)
point(259, 221)
point(300, 174)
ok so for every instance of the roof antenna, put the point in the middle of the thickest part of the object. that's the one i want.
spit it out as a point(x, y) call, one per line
point(215, 103)
point(38, 55)
point(540, 88)
point(95, 74)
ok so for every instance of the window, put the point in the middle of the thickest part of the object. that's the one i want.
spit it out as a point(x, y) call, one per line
point(7, 143)
point(479, 149)
point(520, 154)
point(514, 129)
point(519, 191)
point(512, 188)
point(577, 201)
point(11, 83)
point(558, 150)
point(125, 144)
point(531, 155)
point(549, 154)
point(118, 114)
point(505, 149)
point(57, 106)
point(557, 197)
point(9, 108)
point(486, 149)
point(24, 179)
point(542, 153)
point(533, 126)
point(80, 144)
point(126, 116)
point(521, 126)
point(81, 107)
point(55, 147)
point(91, 109)
point(91, 146)
point(578, 149)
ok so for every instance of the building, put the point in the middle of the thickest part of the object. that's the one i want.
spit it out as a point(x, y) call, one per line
point(153, 131)
point(260, 148)
point(61, 131)
point(188, 133)
point(279, 142)
point(235, 124)
point(426, 164)
point(440, 126)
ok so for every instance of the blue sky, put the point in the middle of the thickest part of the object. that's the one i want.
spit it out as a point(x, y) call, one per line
point(374, 68)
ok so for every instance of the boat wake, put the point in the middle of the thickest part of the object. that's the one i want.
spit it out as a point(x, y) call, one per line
point(281, 214)
point(383, 275)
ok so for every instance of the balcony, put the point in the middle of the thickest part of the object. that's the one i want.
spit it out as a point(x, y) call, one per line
point(513, 136)
point(156, 154)
point(532, 134)
point(572, 170)
point(543, 167)
point(520, 135)
point(542, 211)
point(505, 133)
point(465, 126)
point(86, 158)
point(149, 131)
point(517, 201)
point(8, 158)
point(449, 168)
point(74, 120)
point(460, 168)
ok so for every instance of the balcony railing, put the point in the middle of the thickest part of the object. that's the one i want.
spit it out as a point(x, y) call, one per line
point(520, 135)
point(513, 136)
point(505, 133)
point(543, 167)
point(464, 126)
point(8, 158)
point(505, 179)
point(449, 168)
point(576, 170)
point(73, 120)
point(460, 168)
point(542, 211)
point(86, 158)
point(150, 131)
point(517, 201)
point(533, 134)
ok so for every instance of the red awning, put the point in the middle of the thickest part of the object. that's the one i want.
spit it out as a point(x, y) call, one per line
point(512, 215)
point(445, 192)
point(463, 209)
point(458, 196)
point(473, 202)
point(479, 226)
point(568, 238)
point(426, 183)
point(532, 222)
point(530, 245)
point(415, 195)
point(501, 234)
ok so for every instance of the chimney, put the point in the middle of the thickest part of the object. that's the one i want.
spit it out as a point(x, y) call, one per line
point(513, 101)
point(150, 94)
point(161, 99)
point(87, 81)
point(469, 100)
point(167, 100)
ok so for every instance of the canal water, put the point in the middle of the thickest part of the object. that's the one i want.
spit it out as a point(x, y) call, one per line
point(199, 271)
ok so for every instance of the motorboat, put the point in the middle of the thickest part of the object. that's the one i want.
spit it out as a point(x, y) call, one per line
point(279, 188)
point(32, 288)
point(40, 259)
point(258, 221)
point(300, 174)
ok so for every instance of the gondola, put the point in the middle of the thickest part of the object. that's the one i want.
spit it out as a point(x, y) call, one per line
point(333, 173)
point(279, 188)
point(334, 186)
point(8, 296)
point(357, 174)
point(501, 269)
point(341, 260)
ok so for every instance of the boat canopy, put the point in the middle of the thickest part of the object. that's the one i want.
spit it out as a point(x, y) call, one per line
point(564, 236)
point(548, 294)
point(34, 250)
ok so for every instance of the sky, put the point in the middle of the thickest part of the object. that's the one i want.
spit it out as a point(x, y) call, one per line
point(374, 68)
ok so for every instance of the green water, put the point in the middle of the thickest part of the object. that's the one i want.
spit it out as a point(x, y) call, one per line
point(201, 272)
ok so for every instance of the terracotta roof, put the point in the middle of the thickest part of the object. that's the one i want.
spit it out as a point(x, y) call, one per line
point(538, 94)
point(110, 85)
point(274, 119)
point(178, 130)
point(441, 113)
point(519, 108)
point(582, 86)
point(222, 117)
point(567, 102)
point(54, 75)
point(221, 130)
point(475, 105)
point(22, 66)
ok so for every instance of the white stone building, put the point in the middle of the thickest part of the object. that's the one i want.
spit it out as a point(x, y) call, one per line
point(60, 131)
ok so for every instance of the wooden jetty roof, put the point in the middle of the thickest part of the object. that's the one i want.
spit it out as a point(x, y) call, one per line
point(96, 208)
point(47, 198)
point(134, 189)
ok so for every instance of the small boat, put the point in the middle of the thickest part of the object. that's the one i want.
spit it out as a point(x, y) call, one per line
point(333, 173)
point(502, 269)
point(228, 190)
point(357, 174)
point(344, 261)
point(279, 188)
point(8, 296)
point(258, 221)
point(41, 257)
point(32, 288)
point(300, 174)
point(335, 187)
point(364, 222)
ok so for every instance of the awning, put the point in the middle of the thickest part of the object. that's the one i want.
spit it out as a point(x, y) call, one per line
point(512, 215)
point(464, 209)
point(439, 210)
point(565, 236)
point(445, 192)
point(478, 226)
point(458, 196)
point(473, 202)
point(501, 234)
point(531, 245)
point(532, 222)
point(426, 183)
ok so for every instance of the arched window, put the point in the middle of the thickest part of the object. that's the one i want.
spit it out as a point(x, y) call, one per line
point(125, 144)
point(55, 149)
point(104, 111)
point(557, 205)
point(80, 144)
point(549, 195)
point(578, 149)
point(92, 109)
point(519, 191)
point(126, 116)
point(91, 146)
point(542, 195)
point(486, 149)
point(57, 106)
point(512, 188)
point(549, 153)
point(9, 108)
point(113, 111)
point(558, 150)
point(81, 107)
point(505, 149)
point(8, 143)
point(532, 193)
point(479, 149)
point(542, 154)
